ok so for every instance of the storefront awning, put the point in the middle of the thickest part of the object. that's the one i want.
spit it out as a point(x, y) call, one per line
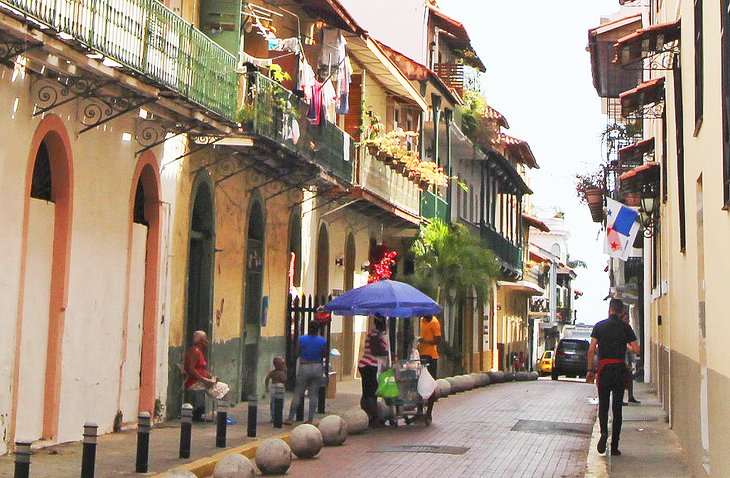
point(635, 152)
point(648, 93)
point(645, 173)
point(524, 287)
point(646, 42)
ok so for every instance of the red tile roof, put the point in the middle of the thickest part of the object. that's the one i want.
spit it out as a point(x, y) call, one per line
point(644, 173)
point(636, 151)
point(649, 92)
point(535, 222)
point(517, 150)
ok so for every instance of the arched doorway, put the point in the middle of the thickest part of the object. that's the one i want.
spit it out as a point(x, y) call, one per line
point(254, 268)
point(200, 260)
point(348, 330)
point(295, 248)
point(322, 273)
point(139, 369)
point(44, 277)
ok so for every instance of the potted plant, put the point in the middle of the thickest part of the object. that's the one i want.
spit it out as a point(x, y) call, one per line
point(590, 188)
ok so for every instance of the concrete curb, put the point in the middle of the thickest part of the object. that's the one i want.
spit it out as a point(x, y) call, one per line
point(596, 464)
point(204, 467)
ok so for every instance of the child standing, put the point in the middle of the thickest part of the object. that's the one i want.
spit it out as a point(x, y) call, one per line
point(278, 375)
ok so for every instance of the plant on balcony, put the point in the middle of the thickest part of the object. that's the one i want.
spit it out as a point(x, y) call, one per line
point(474, 122)
point(382, 261)
point(452, 266)
point(590, 185)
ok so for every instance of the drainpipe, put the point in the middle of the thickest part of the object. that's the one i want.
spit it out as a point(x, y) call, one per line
point(448, 116)
point(436, 106)
point(553, 291)
point(422, 130)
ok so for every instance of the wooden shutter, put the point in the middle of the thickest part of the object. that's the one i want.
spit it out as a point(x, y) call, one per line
point(353, 118)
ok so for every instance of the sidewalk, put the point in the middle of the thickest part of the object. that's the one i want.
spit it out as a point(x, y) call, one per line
point(116, 452)
point(649, 448)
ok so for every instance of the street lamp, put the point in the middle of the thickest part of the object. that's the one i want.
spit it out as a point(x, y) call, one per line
point(649, 211)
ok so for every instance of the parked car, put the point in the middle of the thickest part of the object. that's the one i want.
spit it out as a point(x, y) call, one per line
point(571, 357)
point(545, 363)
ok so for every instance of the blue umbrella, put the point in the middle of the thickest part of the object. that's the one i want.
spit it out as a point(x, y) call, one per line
point(386, 297)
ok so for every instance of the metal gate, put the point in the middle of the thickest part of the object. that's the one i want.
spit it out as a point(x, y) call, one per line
point(300, 310)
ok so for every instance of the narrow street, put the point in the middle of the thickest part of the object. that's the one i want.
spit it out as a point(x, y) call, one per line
point(497, 426)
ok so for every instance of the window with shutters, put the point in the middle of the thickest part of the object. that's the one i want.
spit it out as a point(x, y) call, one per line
point(678, 118)
point(725, 47)
point(353, 118)
point(699, 64)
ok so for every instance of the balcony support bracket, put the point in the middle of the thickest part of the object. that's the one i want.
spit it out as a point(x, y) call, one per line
point(662, 60)
point(101, 109)
point(150, 133)
point(50, 92)
point(9, 49)
point(649, 111)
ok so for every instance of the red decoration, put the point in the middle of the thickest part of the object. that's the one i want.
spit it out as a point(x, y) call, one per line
point(381, 262)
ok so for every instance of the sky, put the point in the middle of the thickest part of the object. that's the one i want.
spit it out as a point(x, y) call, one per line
point(539, 76)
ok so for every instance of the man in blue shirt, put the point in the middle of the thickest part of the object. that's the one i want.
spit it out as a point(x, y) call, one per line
point(311, 349)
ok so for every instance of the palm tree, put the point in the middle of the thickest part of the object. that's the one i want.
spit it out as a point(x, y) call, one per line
point(453, 266)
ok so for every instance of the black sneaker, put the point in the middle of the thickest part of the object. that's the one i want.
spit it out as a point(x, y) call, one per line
point(615, 452)
point(633, 400)
point(601, 447)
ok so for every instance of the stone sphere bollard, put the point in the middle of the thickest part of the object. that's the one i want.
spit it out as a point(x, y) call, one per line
point(509, 377)
point(305, 441)
point(273, 457)
point(334, 430)
point(476, 379)
point(497, 377)
point(357, 421)
point(486, 379)
point(534, 375)
point(233, 466)
point(468, 382)
point(522, 376)
point(182, 474)
point(443, 388)
point(452, 382)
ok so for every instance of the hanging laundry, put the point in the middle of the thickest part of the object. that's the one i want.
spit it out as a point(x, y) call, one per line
point(332, 51)
point(314, 113)
point(285, 44)
point(343, 87)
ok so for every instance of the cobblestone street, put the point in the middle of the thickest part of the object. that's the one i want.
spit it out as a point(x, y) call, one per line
point(482, 421)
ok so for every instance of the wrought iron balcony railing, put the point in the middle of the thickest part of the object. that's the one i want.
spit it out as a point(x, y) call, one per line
point(148, 38)
point(509, 254)
point(273, 110)
point(433, 207)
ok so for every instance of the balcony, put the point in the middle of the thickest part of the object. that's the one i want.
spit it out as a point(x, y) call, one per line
point(433, 207)
point(387, 183)
point(509, 255)
point(270, 111)
point(565, 315)
point(147, 38)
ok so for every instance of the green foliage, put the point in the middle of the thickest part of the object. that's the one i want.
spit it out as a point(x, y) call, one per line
point(473, 119)
point(452, 264)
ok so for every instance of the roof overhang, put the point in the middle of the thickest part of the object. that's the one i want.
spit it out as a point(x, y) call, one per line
point(518, 150)
point(646, 41)
point(415, 71)
point(374, 206)
point(368, 54)
point(635, 152)
point(609, 79)
point(333, 13)
point(535, 222)
point(642, 174)
point(458, 37)
point(510, 180)
point(648, 93)
point(522, 287)
point(494, 115)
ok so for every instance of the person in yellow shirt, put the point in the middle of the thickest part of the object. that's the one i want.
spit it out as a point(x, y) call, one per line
point(429, 341)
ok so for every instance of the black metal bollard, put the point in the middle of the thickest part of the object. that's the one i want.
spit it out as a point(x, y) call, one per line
point(22, 459)
point(300, 409)
point(186, 429)
point(221, 418)
point(321, 399)
point(88, 457)
point(144, 423)
point(253, 409)
point(278, 394)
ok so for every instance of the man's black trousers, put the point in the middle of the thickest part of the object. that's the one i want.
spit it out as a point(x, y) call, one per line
point(612, 382)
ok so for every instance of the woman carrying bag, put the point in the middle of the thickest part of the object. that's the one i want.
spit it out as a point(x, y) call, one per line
point(374, 358)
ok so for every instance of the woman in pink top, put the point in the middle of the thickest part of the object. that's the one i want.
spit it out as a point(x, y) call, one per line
point(376, 347)
point(197, 376)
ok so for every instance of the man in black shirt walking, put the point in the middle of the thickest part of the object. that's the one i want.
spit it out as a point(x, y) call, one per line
point(613, 337)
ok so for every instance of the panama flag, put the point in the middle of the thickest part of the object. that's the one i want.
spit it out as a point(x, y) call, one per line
point(621, 229)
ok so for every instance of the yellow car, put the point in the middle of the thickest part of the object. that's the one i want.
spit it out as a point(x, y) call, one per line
point(545, 364)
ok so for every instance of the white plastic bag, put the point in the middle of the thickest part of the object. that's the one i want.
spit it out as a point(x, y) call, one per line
point(426, 384)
